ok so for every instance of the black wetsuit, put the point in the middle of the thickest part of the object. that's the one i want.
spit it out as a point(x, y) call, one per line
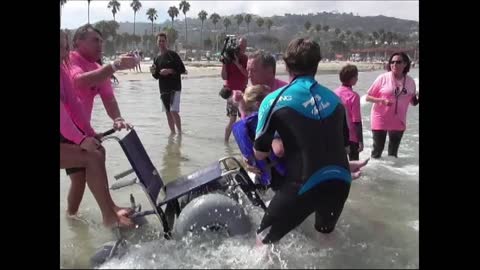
point(318, 175)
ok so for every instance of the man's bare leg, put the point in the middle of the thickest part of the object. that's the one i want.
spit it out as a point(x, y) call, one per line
point(171, 123)
point(178, 121)
point(76, 191)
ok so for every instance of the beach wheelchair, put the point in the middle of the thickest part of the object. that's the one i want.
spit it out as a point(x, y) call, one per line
point(206, 199)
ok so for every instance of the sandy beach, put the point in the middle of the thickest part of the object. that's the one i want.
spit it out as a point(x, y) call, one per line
point(205, 69)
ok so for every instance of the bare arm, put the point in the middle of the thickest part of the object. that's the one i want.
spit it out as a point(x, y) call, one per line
point(373, 99)
point(95, 77)
point(111, 106)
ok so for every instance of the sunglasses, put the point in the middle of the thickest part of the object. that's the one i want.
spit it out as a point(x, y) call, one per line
point(396, 62)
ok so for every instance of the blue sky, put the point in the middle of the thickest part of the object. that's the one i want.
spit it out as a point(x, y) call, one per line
point(74, 13)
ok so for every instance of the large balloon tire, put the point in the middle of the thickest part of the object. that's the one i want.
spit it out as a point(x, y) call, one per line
point(213, 211)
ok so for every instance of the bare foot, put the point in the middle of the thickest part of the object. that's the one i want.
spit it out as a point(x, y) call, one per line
point(356, 175)
point(357, 165)
point(123, 211)
point(119, 221)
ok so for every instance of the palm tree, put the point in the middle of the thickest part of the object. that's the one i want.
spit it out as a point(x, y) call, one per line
point(173, 12)
point(260, 22)
point(215, 19)
point(185, 7)
point(248, 19)
point(89, 10)
point(307, 25)
point(239, 19)
point(269, 24)
point(114, 5)
point(226, 23)
point(318, 27)
point(136, 6)
point(152, 16)
point(202, 15)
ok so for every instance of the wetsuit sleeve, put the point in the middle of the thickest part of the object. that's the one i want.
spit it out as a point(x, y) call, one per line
point(157, 67)
point(265, 128)
point(68, 128)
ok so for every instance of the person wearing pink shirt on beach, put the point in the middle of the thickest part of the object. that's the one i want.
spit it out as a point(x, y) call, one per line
point(80, 147)
point(351, 101)
point(90, 79)
point(261, 68)
point(391, 94)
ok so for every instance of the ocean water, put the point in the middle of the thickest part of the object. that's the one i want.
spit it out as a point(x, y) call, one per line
point(378, 228)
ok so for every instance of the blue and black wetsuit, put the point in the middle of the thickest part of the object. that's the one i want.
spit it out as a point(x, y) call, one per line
point(310, 120)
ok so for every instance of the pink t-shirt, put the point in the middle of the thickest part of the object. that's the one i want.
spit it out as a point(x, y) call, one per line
point(385, 117)
point(81, 65)
point(351, 101)
point(277, 84)
point(73, 121)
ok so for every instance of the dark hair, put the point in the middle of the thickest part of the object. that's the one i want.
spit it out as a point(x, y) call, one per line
point(267, 59)
point(162, 34)
point(347, 73)
point(82, 32)
point(302, 56)
point(405, 59)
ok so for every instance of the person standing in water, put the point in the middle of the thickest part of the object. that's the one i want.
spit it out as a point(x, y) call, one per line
point(167, 69)
point(391, 94)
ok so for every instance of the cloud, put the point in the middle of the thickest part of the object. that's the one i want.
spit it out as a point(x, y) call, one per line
point(74, 13)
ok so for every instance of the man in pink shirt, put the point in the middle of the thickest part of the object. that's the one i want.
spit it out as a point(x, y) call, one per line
point(261, 69)
point(91, 79)
point(351, 101)
point(391, 93)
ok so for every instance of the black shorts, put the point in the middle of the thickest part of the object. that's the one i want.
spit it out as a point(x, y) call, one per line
point(287, 209)
point(70, 171)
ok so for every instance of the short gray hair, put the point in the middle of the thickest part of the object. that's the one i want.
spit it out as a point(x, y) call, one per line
point(267, 59)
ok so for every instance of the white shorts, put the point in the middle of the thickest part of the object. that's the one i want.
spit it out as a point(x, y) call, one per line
point(175, 105)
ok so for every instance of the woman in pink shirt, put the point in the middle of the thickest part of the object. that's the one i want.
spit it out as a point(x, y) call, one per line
point(79, 147)
point(391, 94)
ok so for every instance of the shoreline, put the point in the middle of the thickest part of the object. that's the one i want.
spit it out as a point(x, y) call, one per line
point(211, 69)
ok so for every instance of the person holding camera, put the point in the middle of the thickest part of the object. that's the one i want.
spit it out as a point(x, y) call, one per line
point(235, 75)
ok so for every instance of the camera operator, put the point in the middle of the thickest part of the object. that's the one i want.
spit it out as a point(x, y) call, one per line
point(235, 76)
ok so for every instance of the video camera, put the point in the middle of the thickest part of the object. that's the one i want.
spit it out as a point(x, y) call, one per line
point(230, 49)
